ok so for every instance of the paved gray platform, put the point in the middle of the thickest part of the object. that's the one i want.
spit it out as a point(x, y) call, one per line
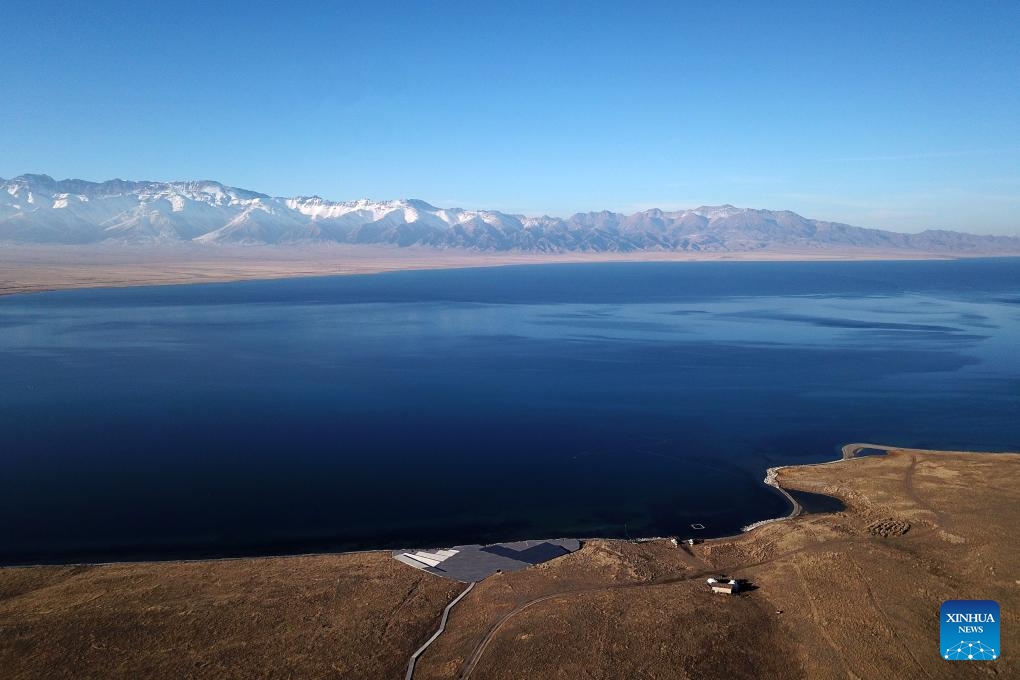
point(475, 562)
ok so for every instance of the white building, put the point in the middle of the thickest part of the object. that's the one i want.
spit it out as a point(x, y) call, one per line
point(723, 586)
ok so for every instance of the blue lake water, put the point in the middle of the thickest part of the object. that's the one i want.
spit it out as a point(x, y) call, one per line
point(434, 408)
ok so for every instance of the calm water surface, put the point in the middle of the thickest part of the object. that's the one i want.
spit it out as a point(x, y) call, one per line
point(433, 408)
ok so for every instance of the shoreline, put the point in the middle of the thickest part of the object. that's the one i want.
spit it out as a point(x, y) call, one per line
point(913, 535)
point(772, 479)
point(849, 451)
point(37, 269)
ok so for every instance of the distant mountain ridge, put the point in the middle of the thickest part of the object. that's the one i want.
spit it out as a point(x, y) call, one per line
point(39, 209)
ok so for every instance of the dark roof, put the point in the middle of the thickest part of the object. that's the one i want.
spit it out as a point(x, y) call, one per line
point(543, 552)
point(475, 562)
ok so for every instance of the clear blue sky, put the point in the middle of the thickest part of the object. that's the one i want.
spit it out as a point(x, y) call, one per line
point(900, 115)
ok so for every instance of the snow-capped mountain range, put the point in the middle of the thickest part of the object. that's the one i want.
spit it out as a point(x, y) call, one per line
point(39, 209)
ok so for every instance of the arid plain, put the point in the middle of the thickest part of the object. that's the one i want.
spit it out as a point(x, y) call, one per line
point(30, 268)
point(853, 594)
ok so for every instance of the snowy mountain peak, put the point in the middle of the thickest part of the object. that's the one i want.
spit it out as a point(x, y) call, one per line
point(716, 211)
point(40, 209)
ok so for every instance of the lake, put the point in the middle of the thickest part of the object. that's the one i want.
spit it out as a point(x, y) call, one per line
point(423, 409)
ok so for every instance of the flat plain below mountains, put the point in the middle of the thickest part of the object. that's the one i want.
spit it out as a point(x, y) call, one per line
point(35, 268)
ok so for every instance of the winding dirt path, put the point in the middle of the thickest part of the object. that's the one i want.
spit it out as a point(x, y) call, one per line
point(442, 626)
point(843, 542)
point(493, 631)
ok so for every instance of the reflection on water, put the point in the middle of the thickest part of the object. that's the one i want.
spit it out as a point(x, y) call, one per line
point(431, 408)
